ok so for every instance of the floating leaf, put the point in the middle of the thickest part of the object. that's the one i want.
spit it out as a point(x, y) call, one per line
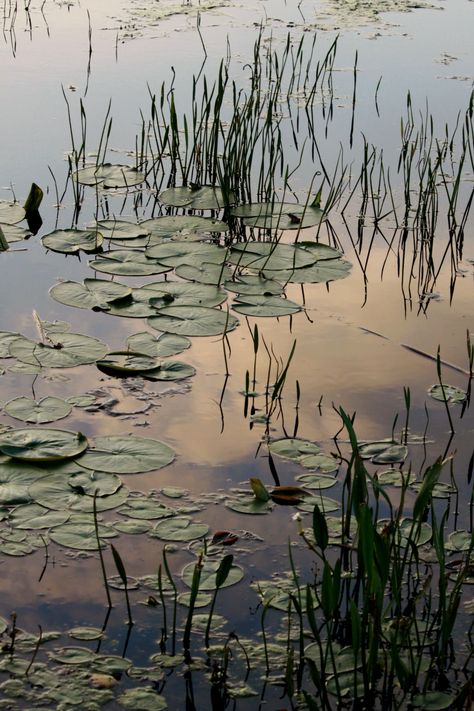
point(145, 507)
point(433, 701)
point(205, 273)
point(41, 444)
point(95, 294)
point(48, 409)
point(167, 344)
point(254, 285)
point(142, 700)
point(127, 262)
point(319, 272)
point(34, 516)
point(86, 633)
point(126, 454)
point(208, 575)
point(120, 229)
point(109, 176)
point(127, 363)
point(322, 462)
point(99, 483)
point(459, 541)
point(206, 197)
point(6, 337)
point(384, 452)
point(13, 233)
point(279, 215)
point(447, 393)
point(270, 256)
point(179, 293)
point(11, 212)
point(170, 225)
point(170, 370)
point(193, 321)
point(293, 448)
point(132, 527)
point(63, 350)
point(247, 505)
point(72, 241)
point(270, 306)
point(81, 536)
point(179, 529)
point(174, 254)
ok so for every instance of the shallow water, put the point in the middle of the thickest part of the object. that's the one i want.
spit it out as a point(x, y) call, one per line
point(351, 343)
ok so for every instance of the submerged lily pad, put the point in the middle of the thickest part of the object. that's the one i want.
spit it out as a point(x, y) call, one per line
point(48, 409)
point(127, 455)
point(73, 241)
point(41, 444)
point(63, 350)
point(108, 175)
point(193, 321)
point(95, 294)
point(206, 197)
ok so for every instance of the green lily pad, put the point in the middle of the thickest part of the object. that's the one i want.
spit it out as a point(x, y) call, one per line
point(293, 448)
point(179, 529)
point(170, 370)
point(13, 233)
point(206, 197)
point(124, 363)
point(179, 293)
point(384, 452)
point(127, 262)
point(170, 225)
point(193, 321)
point(269, 306)
point(48, 409)
point(247, 504)
point(41, 444)
point(95, 294)
point(279, 215)
point(12, 494)
point(109, 176)
point(6, 337)
point(459, 541)
point(91, 483)
point(11, 212)
point(205, 273)
point(80, 536)
point(120, 229)
point(322, 462)
point(142, 700)
point(63, 350)
point(72, 241)
point(145, 507)
point(270, 256)
point(174, 254)
point(318, 273)
point(167, 344)
point(433, 701)
point(208, 575)
point(254, 285)
point(36, 517)
point(72, 655)
point(126, 455)
point(447, 393)
point(395, 477)
point(86, 633)
point(132, 527)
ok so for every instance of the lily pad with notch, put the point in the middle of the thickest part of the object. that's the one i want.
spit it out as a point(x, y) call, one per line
point(384, 452)
point(447, 393)
point(270, 257)
point(205, 197)
point(254, 285)
point(127, 262)
point(48, 409)
point(126, 454)
point(267, 306)
point(109, 175)
point(179, 529)
point(206, 273)
point(179, 293)
point(41, 444)
point(208, 575)
point(120, 229)
point(13, 233)
point(193, 321)
point(95, 294)
point(175, 254)
point(167, 344)
point(11, 212)
point(279, 215)
point(63, 350)
point(293, 448)
point(73, 241)
point(169, 225)
point(320, 272)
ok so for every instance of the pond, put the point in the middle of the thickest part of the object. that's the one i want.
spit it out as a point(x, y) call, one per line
point(236, 354)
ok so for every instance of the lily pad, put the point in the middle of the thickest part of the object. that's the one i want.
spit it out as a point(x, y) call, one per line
point(293, 448)
point(175, 254)
point(94, 483)
point(11, 212)
point(170, 370)
point(384, 452)
point(6, 337)
point(279, 215)
point(127, 262)
point(36, 517)
point(193, 321)
point(179, 529)
point(108, 175)
point(48, 409)
point(447, 393)
point(206, 197)
point(127, 363)
point(318, 273)
point(120, 229)
point(41, 444)
point(270, 256)
point(126, 455)
point(13, 233)
point(142, 700)
point(95, 294)
point(208, 575)
point(169, 225)
point(254, 285)
point(81, 536)
point(73, 241)
point(63, 350)
point(269, 306)
point(179, 293)
point(205, 273)
point(167, 344)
